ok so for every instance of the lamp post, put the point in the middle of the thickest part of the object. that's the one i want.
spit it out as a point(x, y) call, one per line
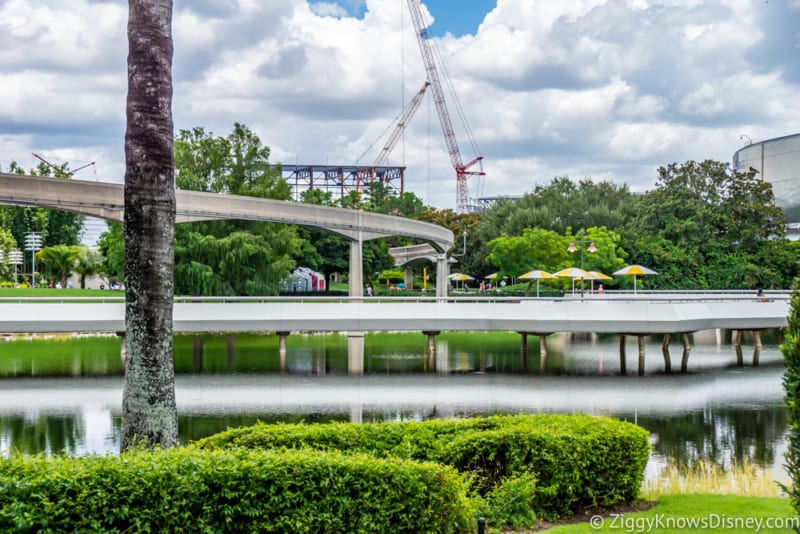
point(573, 248)
point(33, 242)
point(15, 259)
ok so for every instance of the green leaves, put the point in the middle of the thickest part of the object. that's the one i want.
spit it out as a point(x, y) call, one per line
point(191, 490)
point(560, 463)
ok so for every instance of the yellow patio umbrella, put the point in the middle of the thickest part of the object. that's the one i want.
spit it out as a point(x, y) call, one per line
point(460, 277)
point(574, 273)
point(634, 270)
point(537, 275)
point(597, 275)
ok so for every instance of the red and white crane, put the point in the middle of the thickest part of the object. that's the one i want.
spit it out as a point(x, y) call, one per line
point(462, 170)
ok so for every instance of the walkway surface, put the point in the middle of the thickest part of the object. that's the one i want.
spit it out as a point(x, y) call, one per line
point(638, 314)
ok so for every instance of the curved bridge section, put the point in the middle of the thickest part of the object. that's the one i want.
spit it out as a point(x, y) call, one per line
point(106, 201)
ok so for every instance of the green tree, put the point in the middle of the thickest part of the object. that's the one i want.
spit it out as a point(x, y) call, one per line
point(560, 205)
point(205, 263)
point(322, 251)
point(791, 384)
point(89, 263)
point(56, 227)
point(7, 244)
point(112, 247)
point(61, 260)
point(717, 222)
point(149, 413)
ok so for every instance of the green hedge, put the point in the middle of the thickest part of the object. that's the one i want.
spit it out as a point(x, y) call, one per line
point(578, 461)
point(190, 490)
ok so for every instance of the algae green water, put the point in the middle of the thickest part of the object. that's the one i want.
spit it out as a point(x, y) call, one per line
point(63, 393)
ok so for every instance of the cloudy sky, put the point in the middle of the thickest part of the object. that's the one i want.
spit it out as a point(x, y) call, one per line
point(585, 88)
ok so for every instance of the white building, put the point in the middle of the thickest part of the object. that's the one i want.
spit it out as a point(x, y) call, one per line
point(778, 162)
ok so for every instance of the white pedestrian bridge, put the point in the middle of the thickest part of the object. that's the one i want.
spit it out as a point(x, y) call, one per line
point(622, 313)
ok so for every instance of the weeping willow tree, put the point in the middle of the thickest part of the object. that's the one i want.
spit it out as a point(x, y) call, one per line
point(230, 257)
point(791, 383)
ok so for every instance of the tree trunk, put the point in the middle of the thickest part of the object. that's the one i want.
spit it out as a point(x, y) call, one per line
point(149, 414)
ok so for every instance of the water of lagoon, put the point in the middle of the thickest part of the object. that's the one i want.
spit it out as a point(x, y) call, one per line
point(64, 393)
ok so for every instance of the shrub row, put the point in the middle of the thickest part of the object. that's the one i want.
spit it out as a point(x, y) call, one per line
point(192, 490)
point(577, 461)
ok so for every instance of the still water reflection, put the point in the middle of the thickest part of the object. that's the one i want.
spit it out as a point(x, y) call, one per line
point(64, 393)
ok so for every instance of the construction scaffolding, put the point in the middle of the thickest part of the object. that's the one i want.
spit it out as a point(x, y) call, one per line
point(339, 180)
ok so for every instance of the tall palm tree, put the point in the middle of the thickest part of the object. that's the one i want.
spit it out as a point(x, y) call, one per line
point(61, 259)
point(89, 263)
point(149, 414)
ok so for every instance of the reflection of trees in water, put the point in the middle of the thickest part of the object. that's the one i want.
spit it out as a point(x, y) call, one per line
point(44, 433)
point(719, 435)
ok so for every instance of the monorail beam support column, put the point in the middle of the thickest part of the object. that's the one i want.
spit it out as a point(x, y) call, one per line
point(123, 350)
point(197, 353)
point(356, 276)
point(665, 352)
point(442, 272)
point(737, 347)
point(640, 339)
point(542, 351)
point(355, 353)
point(687, 347)
point(757, 350)
point(408, 277)
point(623, 364)
point(431, 341)
point(282, 349)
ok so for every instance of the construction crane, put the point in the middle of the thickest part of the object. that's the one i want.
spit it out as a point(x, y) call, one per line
point(402, 122)
point(462, 171)
point(68, 174)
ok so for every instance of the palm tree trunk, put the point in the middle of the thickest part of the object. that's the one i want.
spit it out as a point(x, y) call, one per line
point(149, 413)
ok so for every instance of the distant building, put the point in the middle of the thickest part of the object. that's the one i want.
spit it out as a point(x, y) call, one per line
point(92, 228)
point(778, 162)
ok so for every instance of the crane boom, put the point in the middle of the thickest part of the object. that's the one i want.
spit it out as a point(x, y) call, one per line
point(462, 190)
point(402, 122)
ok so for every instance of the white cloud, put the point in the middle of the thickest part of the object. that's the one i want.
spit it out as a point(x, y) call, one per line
point(578, 87)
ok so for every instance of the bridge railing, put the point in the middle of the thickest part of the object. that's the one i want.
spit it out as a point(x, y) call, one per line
point(615, 296)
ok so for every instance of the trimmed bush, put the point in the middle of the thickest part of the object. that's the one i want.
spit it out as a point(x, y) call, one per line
point(191, 490)
point(578, 461)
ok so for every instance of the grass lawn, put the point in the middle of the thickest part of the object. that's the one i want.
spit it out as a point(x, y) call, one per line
point(697, 513)
point(58, 293)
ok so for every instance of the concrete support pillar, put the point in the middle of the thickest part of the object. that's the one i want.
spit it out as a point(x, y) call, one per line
point(686, 348)
point(355, 353)
point(356, 412)
point(230, 344)
point(523, 342)
point(442, 272)
point(431, 341)
point(542, 352)
point(737, 347)
point(356, 276)
point(123, 350)
point(665, 352)
point(197, 353)
point(408, 277)
point(282, 349)
point(757, 350)
point(641, 355)
point(623, 364)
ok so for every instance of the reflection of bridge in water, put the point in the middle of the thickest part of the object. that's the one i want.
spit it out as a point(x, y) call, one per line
point(623, 314)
